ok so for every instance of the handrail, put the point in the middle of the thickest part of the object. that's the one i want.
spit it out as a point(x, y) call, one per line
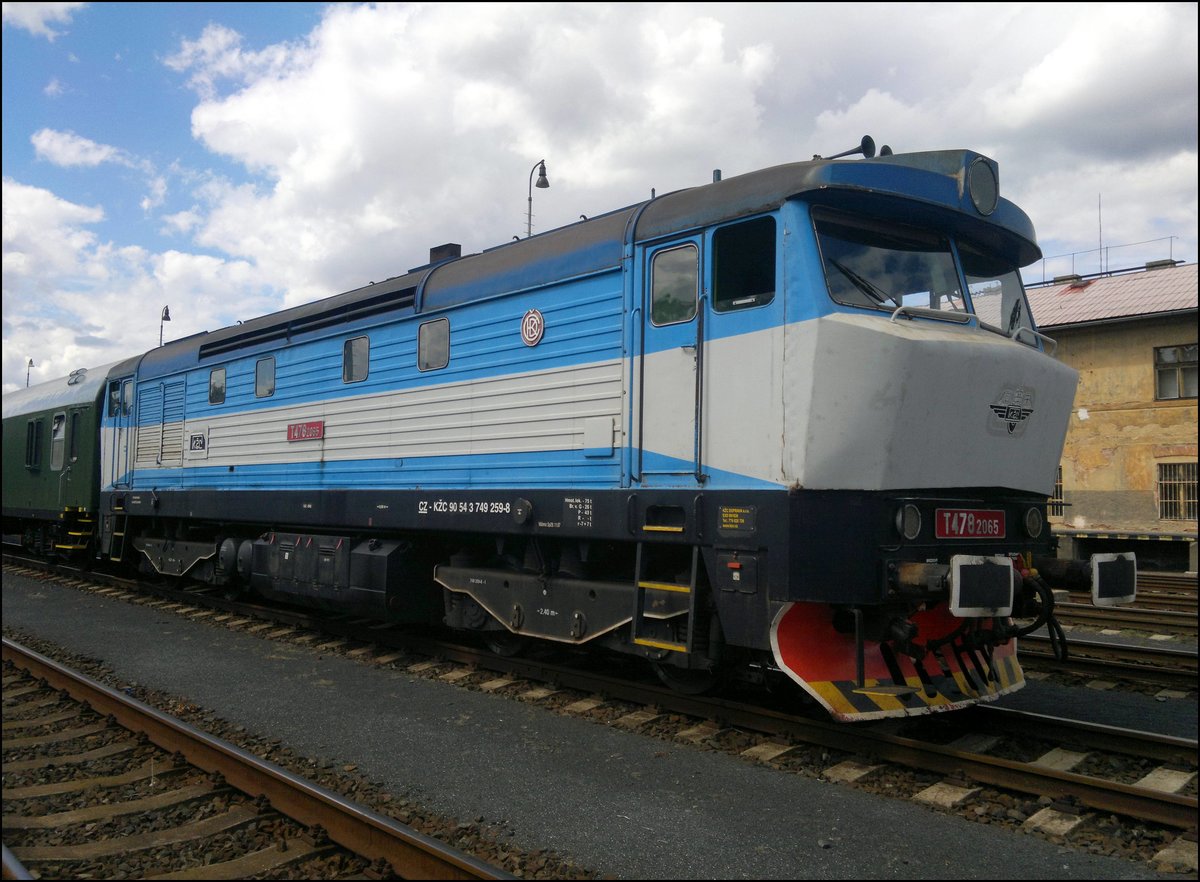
point(961, 318)
point(1039, 335)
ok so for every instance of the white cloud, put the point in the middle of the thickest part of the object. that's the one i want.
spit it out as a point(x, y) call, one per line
point(37, 17)
point(68, 149)
point(341, 156)
point(73, 300)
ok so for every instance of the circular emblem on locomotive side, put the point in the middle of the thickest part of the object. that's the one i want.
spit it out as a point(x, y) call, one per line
point(532, 328)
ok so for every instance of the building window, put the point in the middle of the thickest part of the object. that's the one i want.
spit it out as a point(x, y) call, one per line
point(1177, 491)
point(356, 357)
point(264, 377)
point(1175, 372)
point(433, 345)
point(1054, 505)
point(216, 386)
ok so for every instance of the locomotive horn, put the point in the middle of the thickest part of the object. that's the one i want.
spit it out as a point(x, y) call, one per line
point(866, 148)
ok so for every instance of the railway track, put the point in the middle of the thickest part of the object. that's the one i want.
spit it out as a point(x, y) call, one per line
point(1156, 667)
point(98, 784)
point(1155, 621)
point(1056, 780)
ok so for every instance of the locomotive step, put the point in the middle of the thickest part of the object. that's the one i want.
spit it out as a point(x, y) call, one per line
point(666, 586)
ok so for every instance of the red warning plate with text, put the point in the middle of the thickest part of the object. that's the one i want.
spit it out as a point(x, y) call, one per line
point(969, 523)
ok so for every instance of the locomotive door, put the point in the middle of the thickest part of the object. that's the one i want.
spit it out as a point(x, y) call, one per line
point(672, 362)
point(120, 415)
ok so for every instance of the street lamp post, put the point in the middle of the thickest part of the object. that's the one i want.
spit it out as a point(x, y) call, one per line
point(165, 317)
point(542, 184)
point(28, 368)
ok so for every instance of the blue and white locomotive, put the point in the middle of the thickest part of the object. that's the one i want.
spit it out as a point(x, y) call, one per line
point(798, 420)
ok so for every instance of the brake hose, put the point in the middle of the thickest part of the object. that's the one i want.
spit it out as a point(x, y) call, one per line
point(1054, 631)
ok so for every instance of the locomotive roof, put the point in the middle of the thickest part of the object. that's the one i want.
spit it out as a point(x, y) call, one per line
point(914, 187)
point(79, 387)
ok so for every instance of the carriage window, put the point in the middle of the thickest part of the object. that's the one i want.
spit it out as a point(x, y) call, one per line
point(33, 444)
point(264, 377)
point(216, 386)
point(744, 265)
point(673, 286)
point(73, 436)
point(433, 345)
point(356, 355)
point(58, 441)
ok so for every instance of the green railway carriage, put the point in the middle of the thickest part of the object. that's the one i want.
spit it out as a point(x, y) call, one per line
point(52, 462)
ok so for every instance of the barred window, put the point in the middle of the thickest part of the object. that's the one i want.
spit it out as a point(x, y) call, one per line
point(1177, 491)
point(1175, 372)
point(1054, 505)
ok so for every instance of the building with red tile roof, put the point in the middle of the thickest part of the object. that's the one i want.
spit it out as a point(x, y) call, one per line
point(1128, 474)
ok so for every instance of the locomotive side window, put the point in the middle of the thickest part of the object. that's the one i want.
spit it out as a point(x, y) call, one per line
point(744, 265)
point(58, 441)
point(114, 399)
point(356, 355)
point(881, 265)
point(433, 345)
point(127, 397)
point(216, 386)
point(674, 279)
point(264, 377)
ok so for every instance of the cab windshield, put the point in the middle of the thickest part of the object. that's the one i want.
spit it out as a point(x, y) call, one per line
point(881, 265)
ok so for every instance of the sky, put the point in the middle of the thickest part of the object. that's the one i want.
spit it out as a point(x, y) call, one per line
point(226, 160)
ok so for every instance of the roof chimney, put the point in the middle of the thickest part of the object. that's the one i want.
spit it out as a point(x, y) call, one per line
point(1161, 264)
point(1068, 280)
point(449, 251)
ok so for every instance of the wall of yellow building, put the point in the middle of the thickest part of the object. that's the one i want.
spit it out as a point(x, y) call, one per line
point(1118, 432)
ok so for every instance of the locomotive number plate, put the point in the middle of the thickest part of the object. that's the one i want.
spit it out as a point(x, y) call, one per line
point(969, 523)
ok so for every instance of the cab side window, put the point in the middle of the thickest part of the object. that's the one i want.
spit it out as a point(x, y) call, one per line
point(744, 265)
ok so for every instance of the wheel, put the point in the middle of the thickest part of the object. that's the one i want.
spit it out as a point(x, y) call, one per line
point(686, 681)
point(504, 643)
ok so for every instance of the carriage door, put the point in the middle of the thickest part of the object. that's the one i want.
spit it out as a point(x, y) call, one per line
point(672, 363)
